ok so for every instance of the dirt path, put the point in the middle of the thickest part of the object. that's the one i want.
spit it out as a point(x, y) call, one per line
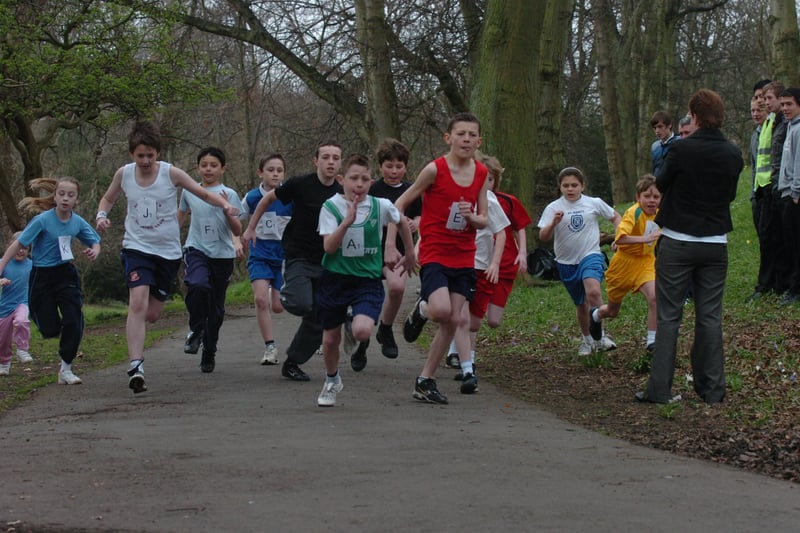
point(243, 449)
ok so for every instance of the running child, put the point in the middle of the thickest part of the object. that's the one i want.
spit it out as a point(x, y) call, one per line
point(571, 222)
point(489, 245)
point(54, 293)
point(208, 256)
point(351, 225)
point(265, 262)
point(633, 266)
point(454, 205)
point(392, 156)
point(304, 250)
point(151, 246)
point(490, 299)
point(14, 324)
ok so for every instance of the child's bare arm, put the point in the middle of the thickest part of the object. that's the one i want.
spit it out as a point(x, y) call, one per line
point(546, 233)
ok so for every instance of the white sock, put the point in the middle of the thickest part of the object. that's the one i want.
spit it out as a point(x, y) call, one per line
point(472, 356)
point(453, 348)
point(588, 339)
point(422, 305)
point(65, 366)
point(595, 316)
point(651, 337)
point(334, 378)
point(466, 368)
point(139, 362)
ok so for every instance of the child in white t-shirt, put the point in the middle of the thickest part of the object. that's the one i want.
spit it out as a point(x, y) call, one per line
point(571, 221)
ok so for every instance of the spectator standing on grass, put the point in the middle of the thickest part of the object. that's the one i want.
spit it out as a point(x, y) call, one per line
point(789, 191)
point(662, 127)
point(698, 183)
point(15, 327)
point(303, 250)
point(773, 268)
point(54, 292)
point(265, 260)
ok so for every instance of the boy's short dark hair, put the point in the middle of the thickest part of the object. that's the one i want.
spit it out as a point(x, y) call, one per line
point(213, 151)
point(144, 133)
point(329, 142)
point(708, 109)
point(356, 159)
point(392, 150)
point(760, 84)
point(792, 92)
point(660, 116)
point(464, 116)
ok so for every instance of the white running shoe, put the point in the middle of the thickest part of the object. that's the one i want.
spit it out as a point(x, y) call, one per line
point(66, 377)
point(270, 356)
point(24, 356)
point(586, 348)
point(349, 343)
point(605, 344)
point(5, 368)
point(327, 398)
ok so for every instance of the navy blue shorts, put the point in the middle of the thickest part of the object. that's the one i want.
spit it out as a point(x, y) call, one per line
point(266, 269)
point(572, 276)
point(147, 269)
point(457, 280)
point(337, 292)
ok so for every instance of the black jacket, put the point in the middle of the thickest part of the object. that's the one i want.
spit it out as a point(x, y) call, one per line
point(698, 183)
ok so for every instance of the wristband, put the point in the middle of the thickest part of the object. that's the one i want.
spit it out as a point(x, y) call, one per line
point(101, 214)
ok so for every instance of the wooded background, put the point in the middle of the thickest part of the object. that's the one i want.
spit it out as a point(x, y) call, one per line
point(554, 82)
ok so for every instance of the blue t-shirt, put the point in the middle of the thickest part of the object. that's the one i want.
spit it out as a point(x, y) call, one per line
point(270, 228)
point(18, 272)
point(50, 239)
point(209, 231)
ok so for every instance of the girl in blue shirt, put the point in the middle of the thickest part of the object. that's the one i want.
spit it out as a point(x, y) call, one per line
point(55, 298)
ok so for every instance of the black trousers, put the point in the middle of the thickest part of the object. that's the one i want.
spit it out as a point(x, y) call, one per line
point(56, 306)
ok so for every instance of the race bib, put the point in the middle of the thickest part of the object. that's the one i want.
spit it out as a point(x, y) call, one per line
point(455, 221)
point(208, 230)
point(65, 247)
point(146, 213)
point(268, 226)
point(353, 242)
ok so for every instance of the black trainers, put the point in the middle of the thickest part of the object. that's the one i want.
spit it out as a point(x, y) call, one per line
point(193, 342)
point(291, 370)
point(414, 323)
point(452, 361)
point(385, 337)
point(136, 379)
point(426, 391)
point(460, 374)
point(595, 327)
point(469, 384)
point(358, 361)
point(207, 363)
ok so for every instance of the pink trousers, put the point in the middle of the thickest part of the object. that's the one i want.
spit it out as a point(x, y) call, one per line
point(14, 328)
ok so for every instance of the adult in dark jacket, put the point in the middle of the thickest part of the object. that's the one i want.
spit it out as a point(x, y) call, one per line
point(698, 181)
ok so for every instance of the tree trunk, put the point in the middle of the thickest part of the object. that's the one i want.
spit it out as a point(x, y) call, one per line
point(382, 118)
point(517, 93)
point(785, 42)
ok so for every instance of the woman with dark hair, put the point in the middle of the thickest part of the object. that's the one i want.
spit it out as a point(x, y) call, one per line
point(698, 182)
